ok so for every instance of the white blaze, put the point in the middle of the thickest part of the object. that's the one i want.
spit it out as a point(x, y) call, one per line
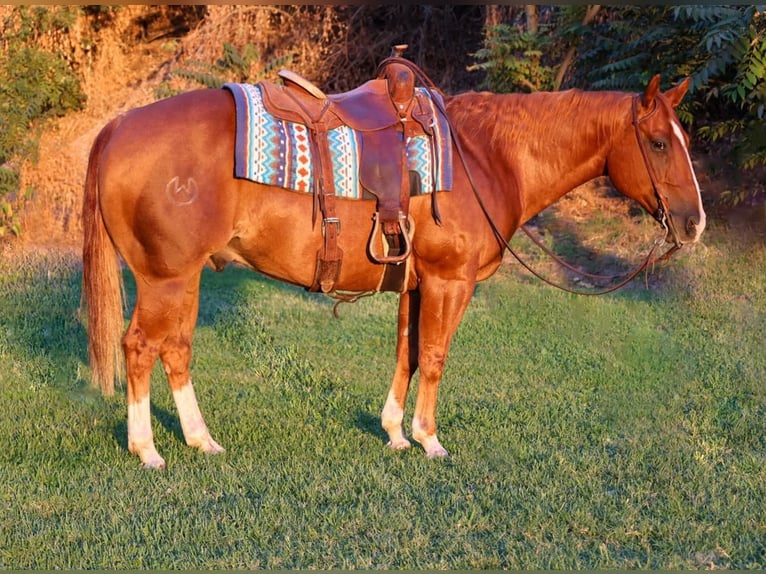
point(679, 134)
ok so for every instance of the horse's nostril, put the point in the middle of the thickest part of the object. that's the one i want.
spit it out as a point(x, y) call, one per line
point(692, 223)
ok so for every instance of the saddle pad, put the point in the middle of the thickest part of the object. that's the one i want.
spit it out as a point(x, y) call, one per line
point(277, 152)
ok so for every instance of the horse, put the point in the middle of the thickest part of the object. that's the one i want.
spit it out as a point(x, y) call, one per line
point(160, 195)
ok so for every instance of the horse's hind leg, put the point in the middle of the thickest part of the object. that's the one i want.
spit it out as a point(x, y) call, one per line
point(162, 324)
point(141, 345)
point(175, 353)
point(406, 364)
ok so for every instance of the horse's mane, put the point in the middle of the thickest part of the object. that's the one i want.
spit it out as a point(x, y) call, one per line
point(542, 117)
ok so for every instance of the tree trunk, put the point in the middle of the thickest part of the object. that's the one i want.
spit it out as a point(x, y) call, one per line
point(496, 14)
point(590, 14)
point(531, 12)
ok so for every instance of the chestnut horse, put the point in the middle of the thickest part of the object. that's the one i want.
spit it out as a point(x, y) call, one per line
point(160, 194)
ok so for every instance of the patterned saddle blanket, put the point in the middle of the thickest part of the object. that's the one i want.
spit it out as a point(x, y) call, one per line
point(277, 152)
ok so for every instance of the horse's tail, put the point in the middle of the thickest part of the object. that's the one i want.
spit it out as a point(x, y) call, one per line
point(102, 292)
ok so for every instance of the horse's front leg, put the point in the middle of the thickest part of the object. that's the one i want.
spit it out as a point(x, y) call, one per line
point(406, 364)
point(441, 309)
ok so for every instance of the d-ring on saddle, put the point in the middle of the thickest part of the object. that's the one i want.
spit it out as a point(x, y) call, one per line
point(385, 112)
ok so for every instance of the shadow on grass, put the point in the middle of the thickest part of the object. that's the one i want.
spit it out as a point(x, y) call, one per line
point(370, 424)
point(567, 241)
point(39, 318)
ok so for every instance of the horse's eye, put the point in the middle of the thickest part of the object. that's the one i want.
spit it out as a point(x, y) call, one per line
point(658, 145)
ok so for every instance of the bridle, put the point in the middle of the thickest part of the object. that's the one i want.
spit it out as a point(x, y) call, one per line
point(661, 215)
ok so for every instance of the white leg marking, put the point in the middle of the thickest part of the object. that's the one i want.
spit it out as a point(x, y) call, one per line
point(678, 132)
point(430, 443)
point(391, 420)
point(193, 425)
point(140, 438)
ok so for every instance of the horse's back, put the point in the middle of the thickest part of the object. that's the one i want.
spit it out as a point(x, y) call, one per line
point(192, 125)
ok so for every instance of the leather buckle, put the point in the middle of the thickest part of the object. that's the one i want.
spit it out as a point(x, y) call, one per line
point(332, 220)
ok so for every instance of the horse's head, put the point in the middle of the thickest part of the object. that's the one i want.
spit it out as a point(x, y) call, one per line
point(651, 164)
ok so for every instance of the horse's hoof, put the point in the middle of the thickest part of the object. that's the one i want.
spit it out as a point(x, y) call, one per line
point(440, 452)
point(432, 446)
point(205, 444)
point(149, 456)
point(400, 444)
point(154, 463)
point(211, 447)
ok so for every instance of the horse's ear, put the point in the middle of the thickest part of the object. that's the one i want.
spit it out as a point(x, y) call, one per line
point(651, 91)
point(677, 92)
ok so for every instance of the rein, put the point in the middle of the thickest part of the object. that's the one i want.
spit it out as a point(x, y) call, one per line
point(626, 277)
point(661, 215)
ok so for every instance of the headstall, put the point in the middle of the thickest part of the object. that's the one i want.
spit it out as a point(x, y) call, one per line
point(662, 215)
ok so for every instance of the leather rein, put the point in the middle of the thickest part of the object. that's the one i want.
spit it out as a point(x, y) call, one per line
point(661, 215)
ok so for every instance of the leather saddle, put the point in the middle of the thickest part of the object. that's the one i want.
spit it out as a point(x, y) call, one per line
point(385, 112)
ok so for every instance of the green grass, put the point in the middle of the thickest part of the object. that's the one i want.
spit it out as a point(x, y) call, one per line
point(625, 431)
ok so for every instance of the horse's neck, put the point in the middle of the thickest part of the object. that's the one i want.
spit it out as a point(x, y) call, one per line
point(549, 143)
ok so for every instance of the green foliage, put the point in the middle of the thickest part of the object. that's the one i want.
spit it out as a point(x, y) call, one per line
point(734, 76)
point(9, 183)
point(627, 47)
point(517, 59)
point(513, 59)
point(233, 66)
point(35, 84)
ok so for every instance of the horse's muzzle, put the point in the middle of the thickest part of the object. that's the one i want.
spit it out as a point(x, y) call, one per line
point(691, 231)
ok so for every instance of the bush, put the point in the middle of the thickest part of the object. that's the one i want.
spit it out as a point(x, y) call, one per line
point(35, 84)
point(232, 66)
point(513, 60)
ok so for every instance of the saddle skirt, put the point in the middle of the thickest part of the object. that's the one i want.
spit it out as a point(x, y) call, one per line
point(277, 152)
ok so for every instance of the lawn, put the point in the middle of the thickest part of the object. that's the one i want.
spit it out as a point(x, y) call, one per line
point(624, 431)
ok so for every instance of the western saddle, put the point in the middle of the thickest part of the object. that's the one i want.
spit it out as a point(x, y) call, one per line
point(385, 111)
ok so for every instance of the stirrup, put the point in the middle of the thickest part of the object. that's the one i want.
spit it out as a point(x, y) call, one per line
point(406, 226)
